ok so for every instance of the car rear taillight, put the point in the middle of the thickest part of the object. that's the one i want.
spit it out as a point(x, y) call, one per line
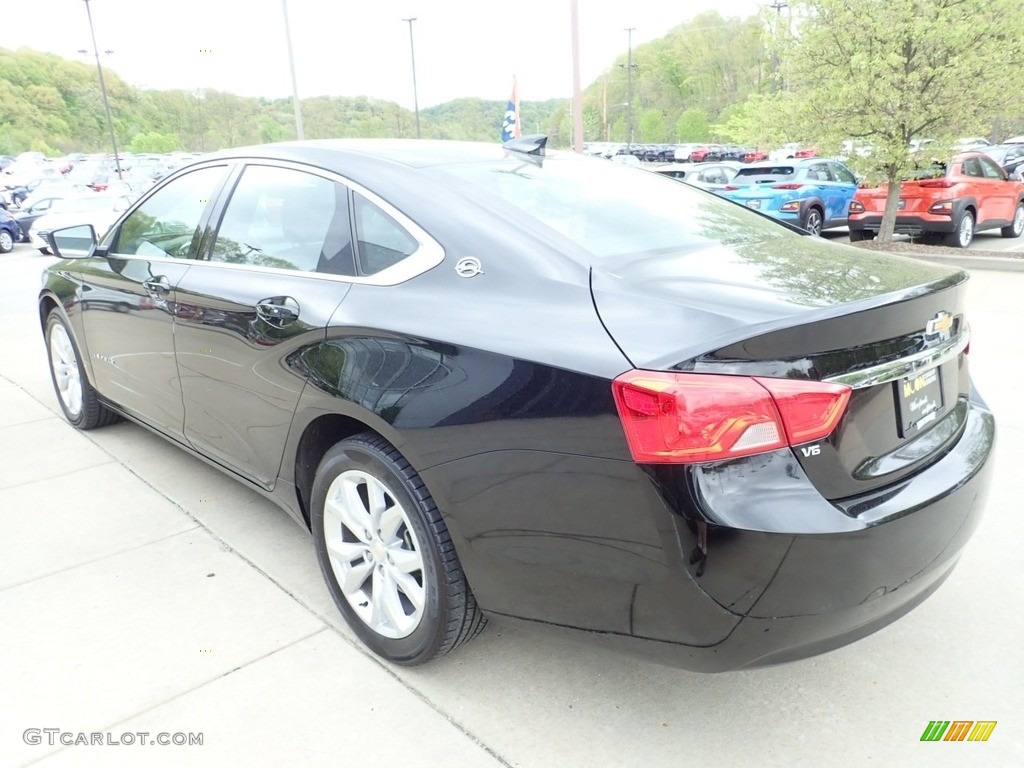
point(942, 207)
point(788, 185)
point(856, 206)
point(937, 183)
point(730, 187)
point(684, 418)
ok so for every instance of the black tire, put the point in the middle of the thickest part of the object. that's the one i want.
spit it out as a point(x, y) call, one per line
point(963, 234)
point(6, 241)
point(857, 235)
point(448, 615)
point(83, 410)
point(1017, 227)
point(813, 221)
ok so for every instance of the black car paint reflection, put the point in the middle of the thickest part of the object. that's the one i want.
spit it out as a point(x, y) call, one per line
point(497, 390)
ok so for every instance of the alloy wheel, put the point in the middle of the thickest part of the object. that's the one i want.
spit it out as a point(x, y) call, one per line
point(813, 222)
point(66, 372)
point(1018, 221)
point(6, 241)
point(374, 554)
point(965, 232)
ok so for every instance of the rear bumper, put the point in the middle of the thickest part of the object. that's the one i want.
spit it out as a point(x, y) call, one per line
point(906, 225)
point(704, 572)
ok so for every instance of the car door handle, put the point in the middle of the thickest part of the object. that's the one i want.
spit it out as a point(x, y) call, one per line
point(157, 285)
point(278, 310)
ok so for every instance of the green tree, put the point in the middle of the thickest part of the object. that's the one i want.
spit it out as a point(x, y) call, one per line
point(693, 125)
point(888, 71)
point(153, 142)
point(652, 126)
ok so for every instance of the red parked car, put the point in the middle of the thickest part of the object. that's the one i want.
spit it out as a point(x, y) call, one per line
point(699, 154)
point(969, 194)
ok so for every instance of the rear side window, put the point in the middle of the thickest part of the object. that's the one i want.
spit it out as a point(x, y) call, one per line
point(819, 172)
point(286, 219)
point(972, 167)
point(382, 240)
point(165, 224)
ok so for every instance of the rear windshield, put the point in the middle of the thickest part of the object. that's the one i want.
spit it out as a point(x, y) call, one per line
point(611, 210)
point(764, 174)
point(933, 170)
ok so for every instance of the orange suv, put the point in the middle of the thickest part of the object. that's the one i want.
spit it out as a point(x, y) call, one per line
point(970, 194)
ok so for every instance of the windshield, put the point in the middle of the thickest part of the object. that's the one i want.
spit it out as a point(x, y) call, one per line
point(611, 210)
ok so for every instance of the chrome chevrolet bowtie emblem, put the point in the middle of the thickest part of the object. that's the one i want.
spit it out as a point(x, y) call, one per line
point(941, 325)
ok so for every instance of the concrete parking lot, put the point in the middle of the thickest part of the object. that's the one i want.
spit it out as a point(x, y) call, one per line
point(144, 592)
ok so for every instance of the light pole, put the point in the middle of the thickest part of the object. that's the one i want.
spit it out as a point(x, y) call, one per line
point(103, 91)
point(299, 134)
point(778, 5)
point(415, 95)
point(629, 89)
point(577, 96)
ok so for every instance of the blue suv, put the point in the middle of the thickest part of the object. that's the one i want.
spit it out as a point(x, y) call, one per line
point(814, 194)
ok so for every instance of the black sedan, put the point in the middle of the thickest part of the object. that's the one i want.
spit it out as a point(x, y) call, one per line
point(1009, 156)
point(501, 382)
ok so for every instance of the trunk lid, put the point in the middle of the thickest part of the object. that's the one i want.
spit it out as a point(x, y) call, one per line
point(915, 196)
point(799, 307)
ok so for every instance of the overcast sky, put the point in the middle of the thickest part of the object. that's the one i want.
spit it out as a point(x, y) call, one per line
point(352, 47)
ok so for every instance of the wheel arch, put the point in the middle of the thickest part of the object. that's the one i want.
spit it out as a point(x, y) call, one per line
point(814, 202)
point(47, 303)
point(967, 204)
point(50, 302)
point(318, 436)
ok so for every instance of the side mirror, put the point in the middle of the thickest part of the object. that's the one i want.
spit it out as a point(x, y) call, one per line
point(75, 242)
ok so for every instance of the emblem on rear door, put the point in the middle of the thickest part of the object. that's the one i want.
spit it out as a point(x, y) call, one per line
point(941, 326)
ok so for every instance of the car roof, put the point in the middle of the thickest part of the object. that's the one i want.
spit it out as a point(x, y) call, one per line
point(796, 162)
point(416, 153)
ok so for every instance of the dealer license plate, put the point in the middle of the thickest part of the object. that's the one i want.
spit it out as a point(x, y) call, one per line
point(919, 400)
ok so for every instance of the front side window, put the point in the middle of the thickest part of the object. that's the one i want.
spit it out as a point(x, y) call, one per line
point(165, 224)
point(844, 174)
point(286, 219)
point(990, 169)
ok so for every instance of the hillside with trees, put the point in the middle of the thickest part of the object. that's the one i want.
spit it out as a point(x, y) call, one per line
point(711, 78)
point(52, 105)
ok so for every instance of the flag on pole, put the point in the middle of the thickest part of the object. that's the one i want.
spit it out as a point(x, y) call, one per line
point(510, 125)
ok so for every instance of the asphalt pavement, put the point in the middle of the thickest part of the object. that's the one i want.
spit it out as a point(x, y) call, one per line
point(142, 592)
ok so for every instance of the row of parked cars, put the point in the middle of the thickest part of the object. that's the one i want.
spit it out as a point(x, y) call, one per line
point(943, 200)
point(38, 195)
point(680, 153)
